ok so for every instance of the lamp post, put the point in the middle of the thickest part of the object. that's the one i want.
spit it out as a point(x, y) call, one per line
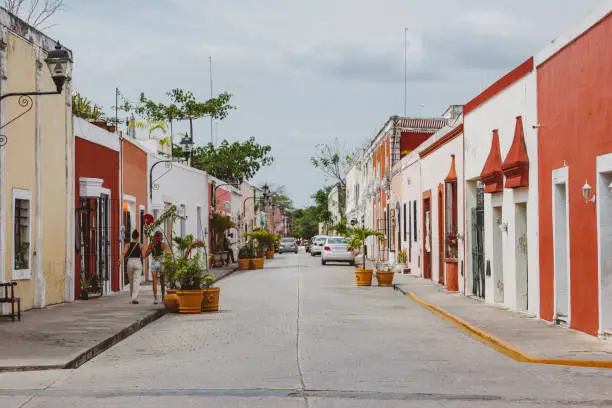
point(187, 146)
point(58, 61)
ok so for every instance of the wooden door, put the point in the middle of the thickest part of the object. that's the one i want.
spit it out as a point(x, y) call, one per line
point(441, 234)
point(427, 249)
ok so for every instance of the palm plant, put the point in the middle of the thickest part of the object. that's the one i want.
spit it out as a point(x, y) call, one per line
point(358, 236)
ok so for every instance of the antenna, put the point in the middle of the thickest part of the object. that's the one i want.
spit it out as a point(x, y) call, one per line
point(212, 140)
point(405, 68)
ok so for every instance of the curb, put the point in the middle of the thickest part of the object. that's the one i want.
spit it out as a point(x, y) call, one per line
point(497, 343)
point(94, 351)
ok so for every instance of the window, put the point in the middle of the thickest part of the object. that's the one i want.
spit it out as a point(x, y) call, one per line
point(183, 220)
point(405, 232)
point(199, 220)
point(414, 215)
point(21, 234)
point(142, 214)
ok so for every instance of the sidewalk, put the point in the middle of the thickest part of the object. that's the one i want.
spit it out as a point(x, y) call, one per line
point(69, 334)
point(520, 337)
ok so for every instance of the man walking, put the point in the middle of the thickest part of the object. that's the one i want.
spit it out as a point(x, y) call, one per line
point(227, 247)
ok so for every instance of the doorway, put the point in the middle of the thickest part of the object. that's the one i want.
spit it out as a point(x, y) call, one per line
point(522, 271)
point(441, 234)
point(561, 259)
point(478, 261)
point(498, 256)
point(427, 237)
point(605, 251)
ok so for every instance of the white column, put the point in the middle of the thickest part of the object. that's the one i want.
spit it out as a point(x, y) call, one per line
point(70, 210)
point(3, 207)
point(39, 279)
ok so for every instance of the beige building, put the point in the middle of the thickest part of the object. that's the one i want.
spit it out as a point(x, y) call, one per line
point(36, 169)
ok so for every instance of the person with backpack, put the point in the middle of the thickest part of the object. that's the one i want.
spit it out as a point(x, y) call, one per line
point(132, 252)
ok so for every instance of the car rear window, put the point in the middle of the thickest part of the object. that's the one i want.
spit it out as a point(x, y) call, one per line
point(321, 239)
point(287, 240)
point(337, 241)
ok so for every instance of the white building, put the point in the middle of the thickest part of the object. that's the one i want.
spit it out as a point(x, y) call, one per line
point(333, 206)
point(187, 189)
point(502, 194)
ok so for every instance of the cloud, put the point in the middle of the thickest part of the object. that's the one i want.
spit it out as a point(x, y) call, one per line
point(303, 72)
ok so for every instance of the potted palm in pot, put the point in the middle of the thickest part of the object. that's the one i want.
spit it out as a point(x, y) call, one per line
point(357, 239)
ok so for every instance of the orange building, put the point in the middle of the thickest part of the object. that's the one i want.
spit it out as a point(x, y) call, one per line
point(574, 99)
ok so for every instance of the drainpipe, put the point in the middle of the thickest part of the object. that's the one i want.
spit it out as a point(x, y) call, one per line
point(120, 213)
point(37, 254)
point(70, 213)
point(3, 87)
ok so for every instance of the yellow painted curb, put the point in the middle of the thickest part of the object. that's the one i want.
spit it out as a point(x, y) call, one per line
point(500, 345)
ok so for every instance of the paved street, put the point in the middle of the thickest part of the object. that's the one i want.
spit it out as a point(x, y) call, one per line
point(298, 334)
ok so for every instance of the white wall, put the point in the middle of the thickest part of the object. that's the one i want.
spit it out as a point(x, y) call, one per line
point(434, 169)
point(405, 189)
point(500, 113)
point(181, 185)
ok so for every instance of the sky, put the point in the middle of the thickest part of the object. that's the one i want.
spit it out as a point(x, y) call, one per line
point(304, 73)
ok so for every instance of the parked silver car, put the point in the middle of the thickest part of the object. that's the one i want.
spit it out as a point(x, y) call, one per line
point(288, 245)
point(336, 249)
point(317, 244)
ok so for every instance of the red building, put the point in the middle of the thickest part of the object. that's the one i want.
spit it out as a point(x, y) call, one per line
point(97, 205)
point(574, 76)
point(134, 185)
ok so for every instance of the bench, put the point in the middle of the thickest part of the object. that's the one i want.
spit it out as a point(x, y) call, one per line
point(5, 298)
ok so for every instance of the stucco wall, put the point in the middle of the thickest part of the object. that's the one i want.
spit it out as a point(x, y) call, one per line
point(406, 189)
point(181, 185)
point(499, 112)
point(575, 110)
point(96, 161)
point(434, 169)
point(38, 167)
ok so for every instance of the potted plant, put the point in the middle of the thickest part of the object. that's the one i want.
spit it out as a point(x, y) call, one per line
point(265, 240)
point(402, 258)
point(248, 256)
point(357, 239)
point(189, 275)
point(85, 283)
point(210, 294)
point(384, 275)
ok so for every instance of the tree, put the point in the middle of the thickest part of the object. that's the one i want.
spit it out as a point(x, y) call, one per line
point(34, 12)
point(333, 160)
point(305, 222)
point(231, 162)
point(321, 204)
point(183, 106)
point(85, 109)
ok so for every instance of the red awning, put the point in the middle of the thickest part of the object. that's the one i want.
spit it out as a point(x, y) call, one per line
point(492, 174)
point(516, 164)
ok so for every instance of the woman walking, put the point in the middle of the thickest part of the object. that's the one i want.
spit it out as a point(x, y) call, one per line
point(157, 248)
point(133, 253)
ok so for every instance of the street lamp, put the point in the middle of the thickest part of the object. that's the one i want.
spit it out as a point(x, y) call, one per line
point(59, 63)
point(187, 146)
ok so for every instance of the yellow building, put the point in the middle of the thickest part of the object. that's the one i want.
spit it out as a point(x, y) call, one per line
point(36, 170)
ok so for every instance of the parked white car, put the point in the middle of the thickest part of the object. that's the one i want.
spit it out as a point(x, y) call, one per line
point(336, 249)
point(317, 245)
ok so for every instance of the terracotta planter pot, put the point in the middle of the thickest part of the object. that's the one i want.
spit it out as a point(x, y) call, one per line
point(363, 277)
point(171, 300)
point(452, 277)
point(246, 264)
point(385, 278)
point(270, 254)
point(259, 262)
point(190, 301)
point(210, 299)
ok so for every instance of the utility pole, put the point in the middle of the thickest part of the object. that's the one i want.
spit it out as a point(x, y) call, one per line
point(405, 68)
point(212, 140)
